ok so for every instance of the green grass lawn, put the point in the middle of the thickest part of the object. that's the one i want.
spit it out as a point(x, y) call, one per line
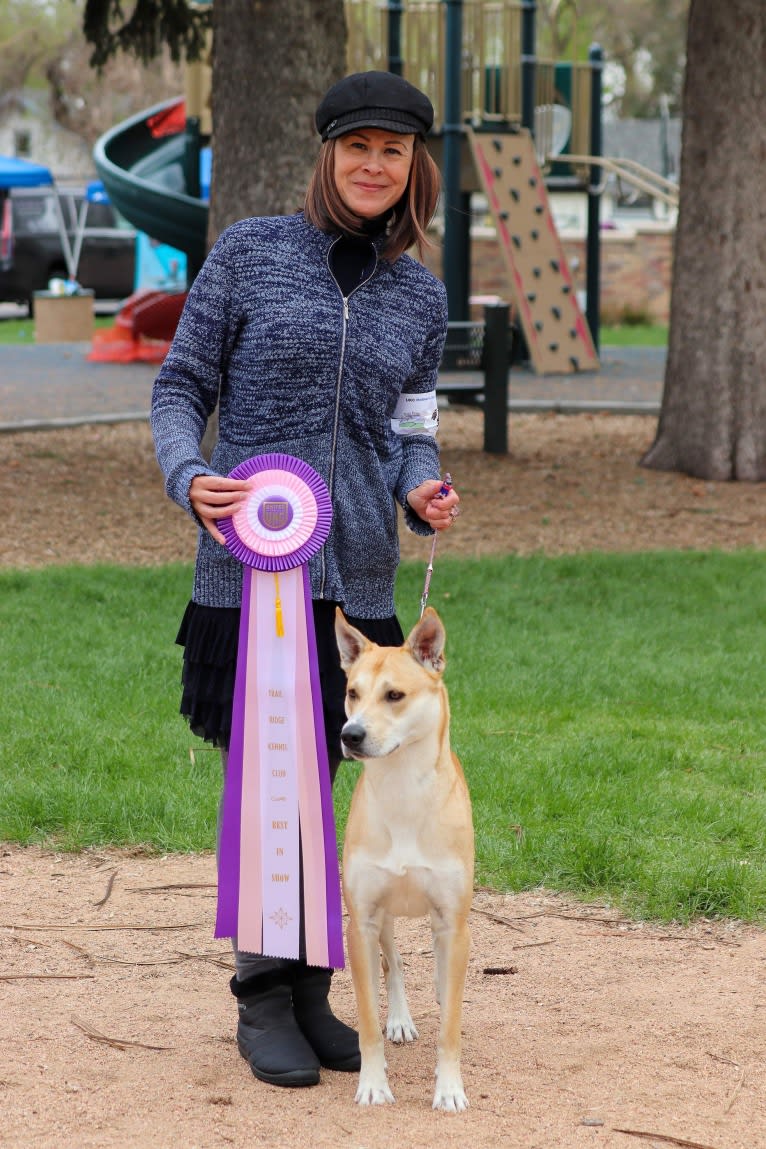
point(632, 335)
point(608, 710)
point(23, 331)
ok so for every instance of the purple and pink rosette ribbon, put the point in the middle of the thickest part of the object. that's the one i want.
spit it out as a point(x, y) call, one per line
point(278, 858)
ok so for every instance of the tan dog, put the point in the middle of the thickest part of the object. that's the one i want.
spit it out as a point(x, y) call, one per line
point(409, 844)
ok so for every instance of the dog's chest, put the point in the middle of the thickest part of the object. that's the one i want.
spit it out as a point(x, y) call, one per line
point(405, 874)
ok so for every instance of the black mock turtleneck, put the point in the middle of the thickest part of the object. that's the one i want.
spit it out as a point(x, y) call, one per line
point(353, 257)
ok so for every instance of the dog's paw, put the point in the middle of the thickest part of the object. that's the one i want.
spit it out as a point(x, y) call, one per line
point(454, 1102)
point(401, 1029)
point(369, 1093)
point(449, 1094)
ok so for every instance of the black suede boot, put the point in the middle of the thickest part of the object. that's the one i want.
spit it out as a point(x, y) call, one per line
point(268, 1035)
point(335, 1043)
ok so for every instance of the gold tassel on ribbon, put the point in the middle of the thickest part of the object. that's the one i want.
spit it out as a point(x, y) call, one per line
point(278, 608)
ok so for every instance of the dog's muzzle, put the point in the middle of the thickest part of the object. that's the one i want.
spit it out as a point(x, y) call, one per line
point(352, 736)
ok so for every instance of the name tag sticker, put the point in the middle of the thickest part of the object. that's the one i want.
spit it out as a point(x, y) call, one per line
point(416, 414)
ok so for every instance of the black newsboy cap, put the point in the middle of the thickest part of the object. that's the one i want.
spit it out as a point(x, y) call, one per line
point(373, 100)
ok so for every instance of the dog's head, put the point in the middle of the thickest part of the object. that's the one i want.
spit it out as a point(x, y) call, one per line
point(395, 695)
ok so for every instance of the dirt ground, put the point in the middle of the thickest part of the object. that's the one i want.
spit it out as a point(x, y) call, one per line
point(570, 483)
point(580, 1029)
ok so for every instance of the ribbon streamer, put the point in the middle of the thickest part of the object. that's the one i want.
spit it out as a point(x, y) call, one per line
point(278, 858)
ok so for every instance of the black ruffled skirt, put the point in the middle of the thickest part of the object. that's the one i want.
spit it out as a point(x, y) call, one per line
point(210, 637)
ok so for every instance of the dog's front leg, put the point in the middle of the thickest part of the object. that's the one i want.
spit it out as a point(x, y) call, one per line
point(399, 1025)
point(364, 958)
point(451, 944)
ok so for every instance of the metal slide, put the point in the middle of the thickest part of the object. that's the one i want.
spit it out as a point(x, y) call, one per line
point(148, 178)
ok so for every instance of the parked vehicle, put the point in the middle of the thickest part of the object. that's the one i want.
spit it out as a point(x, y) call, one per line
point(31, 250)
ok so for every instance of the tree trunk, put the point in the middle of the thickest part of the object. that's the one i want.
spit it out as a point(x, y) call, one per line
point(713, 417)
point(272, 62)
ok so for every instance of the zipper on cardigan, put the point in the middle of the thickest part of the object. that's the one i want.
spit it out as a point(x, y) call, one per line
point(336, 419)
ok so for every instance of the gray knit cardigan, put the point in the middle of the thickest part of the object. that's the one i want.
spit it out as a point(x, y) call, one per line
point(305, 372)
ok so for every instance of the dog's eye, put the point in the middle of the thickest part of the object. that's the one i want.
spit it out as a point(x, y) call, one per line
point(352, 694)
point(395, 695)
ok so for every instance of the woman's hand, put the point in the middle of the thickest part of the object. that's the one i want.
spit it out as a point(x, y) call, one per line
point(216, 497)
point(439, 511)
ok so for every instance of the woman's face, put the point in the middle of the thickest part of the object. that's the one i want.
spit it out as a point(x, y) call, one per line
point(372, 167)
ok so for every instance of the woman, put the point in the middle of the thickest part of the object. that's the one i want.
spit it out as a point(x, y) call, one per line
point(325, 340)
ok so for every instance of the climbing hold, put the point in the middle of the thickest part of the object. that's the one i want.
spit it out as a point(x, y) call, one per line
point(514, 195)
point(556, 312)
point(516, 241)
point(555, 264)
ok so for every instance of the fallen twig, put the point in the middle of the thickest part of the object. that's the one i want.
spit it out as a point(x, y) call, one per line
point(195, 750)
point(172, 886)
point(497, 918)
point(736, 1093)
point(666, 1137)
point(585, 918)
point(116, 1043)
point(77, 949)
point(211, 958)
point(636, 935)
point(108, 894)
point(124, 961)
point(45, 976)
point(96, 929)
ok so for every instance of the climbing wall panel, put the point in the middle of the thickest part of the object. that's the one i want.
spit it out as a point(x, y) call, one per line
point(554, 326)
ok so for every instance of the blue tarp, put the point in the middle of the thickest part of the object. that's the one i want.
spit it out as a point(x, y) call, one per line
point(15, 173)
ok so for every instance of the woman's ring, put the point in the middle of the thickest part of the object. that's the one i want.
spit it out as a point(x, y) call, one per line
point(454, 512)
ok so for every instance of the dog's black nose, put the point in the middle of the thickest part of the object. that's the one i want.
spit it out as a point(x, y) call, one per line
point(352, 735)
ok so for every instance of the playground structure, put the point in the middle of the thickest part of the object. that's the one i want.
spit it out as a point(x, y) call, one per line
point(508, 124)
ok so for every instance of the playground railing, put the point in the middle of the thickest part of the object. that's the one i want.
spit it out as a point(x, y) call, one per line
point(475, 368)
point(410, 36)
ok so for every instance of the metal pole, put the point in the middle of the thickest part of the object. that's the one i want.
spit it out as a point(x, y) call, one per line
point(593, 239)
point(496, 363)
point(453, 269)
point(395, 61)
point(528, 64)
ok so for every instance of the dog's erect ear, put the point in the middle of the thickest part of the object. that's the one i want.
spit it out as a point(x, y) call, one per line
point(351, 642)
point(426, 641)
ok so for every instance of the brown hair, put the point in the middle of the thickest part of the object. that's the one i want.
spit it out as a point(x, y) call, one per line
point(410, 217)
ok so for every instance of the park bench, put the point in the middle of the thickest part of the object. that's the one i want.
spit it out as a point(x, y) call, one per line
point(475, 367)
